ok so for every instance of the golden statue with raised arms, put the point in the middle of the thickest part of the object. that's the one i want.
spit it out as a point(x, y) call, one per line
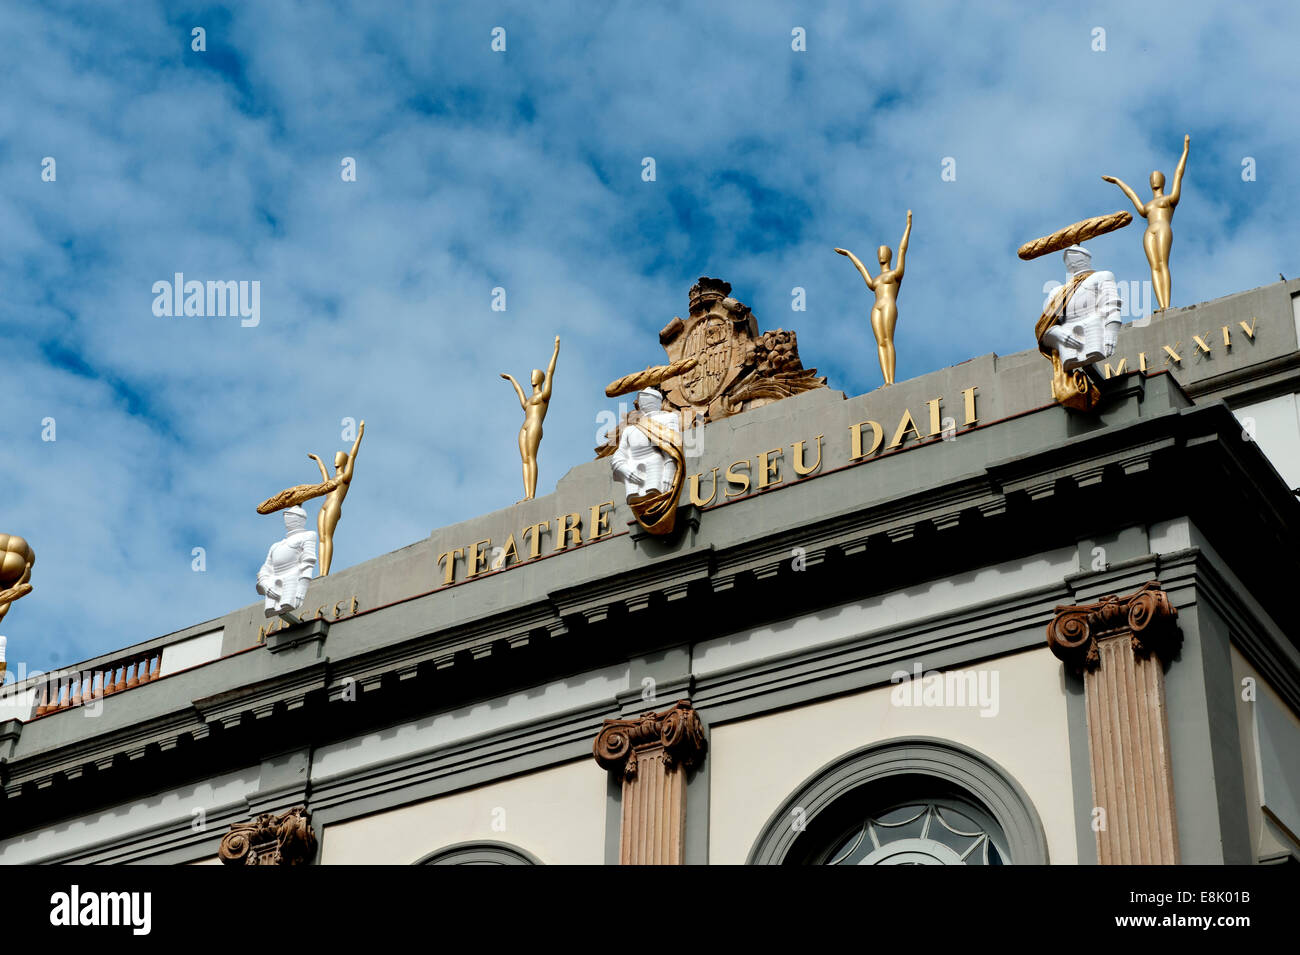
point(1159, 213)
point(530, 435)
point(884, 314)
point(331, 509)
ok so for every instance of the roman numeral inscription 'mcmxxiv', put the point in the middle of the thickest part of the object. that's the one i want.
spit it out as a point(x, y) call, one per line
point(1172, 355)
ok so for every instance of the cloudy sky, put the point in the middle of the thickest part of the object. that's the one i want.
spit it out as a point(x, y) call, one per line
point(523, 169)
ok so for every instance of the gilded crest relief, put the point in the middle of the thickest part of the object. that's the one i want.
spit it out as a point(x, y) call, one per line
point(734, 367)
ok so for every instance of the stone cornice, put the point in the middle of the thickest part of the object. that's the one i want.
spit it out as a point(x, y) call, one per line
point(100, 752)
point(288, 690)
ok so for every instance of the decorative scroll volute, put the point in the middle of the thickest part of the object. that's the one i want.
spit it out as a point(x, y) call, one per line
point(286, 839)
point(1146, 614)
point(677, 730)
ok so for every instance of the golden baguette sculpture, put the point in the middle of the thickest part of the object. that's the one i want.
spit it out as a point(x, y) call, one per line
point(1074, 234)
point(649, 378)
point(297, 494)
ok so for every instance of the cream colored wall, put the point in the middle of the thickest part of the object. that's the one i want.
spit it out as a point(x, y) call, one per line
point(757, 763)
point(557, 814)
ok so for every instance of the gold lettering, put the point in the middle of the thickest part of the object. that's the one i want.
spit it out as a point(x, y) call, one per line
point(570, 524)
point(450, 569)
point(856, 431)
point(740, 480)
point(338, 612)
point(935, 424)
point(1119, 370)
point(799, 468)
point(970, 405)
point(355, 603)
point(477, 559)
point(905, 425)
point(510, 551)
point(1226, 339)
point(1142, 361)
point(695, 489)
point(320, 612)
point(1249, 329)
point(1201, 343)
point(769, 469)
point(535, 549)
point(1173, 354)
point(600, 519)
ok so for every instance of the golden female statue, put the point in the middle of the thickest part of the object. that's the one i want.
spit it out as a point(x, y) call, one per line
point(1159, 213)
point(884, 314)
point(331, 509)
point(530, 435)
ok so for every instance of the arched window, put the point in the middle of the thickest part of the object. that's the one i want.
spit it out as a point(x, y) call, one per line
point(479, 853)
point(940, 831)
point(905, 802)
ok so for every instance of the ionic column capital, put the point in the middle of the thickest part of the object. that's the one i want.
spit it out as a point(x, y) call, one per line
point(677, 731)
point(649, 756)
point(1146, 616)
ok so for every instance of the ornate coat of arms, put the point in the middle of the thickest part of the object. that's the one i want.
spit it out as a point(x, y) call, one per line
point(729, 365)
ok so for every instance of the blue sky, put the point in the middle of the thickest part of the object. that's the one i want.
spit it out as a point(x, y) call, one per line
point(523, 169)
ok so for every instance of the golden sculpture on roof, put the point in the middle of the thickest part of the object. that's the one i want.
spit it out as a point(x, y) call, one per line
point(331, 508)
point(1073, 234)
point(333, 488)
point(884, 313)
point(535, 407)
point(1159, 213)
point(16, 560)
point(719, 364)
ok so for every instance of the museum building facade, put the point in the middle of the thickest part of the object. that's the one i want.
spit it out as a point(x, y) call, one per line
point(949, 621)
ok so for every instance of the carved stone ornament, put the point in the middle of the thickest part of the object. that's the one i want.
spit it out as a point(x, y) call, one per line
point(736, 367)
point(286, 839)
point(1146, 614)
point(677, 731)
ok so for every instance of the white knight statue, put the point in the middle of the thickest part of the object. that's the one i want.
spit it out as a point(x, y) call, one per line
point(1078, 328)
point(650, 463)
point(1086, 313)
point(289, 565)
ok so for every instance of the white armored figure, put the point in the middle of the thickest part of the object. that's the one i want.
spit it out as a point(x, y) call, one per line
point(1083, 317)
point(289, 564)
point(640, 461)
point(650, 461)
